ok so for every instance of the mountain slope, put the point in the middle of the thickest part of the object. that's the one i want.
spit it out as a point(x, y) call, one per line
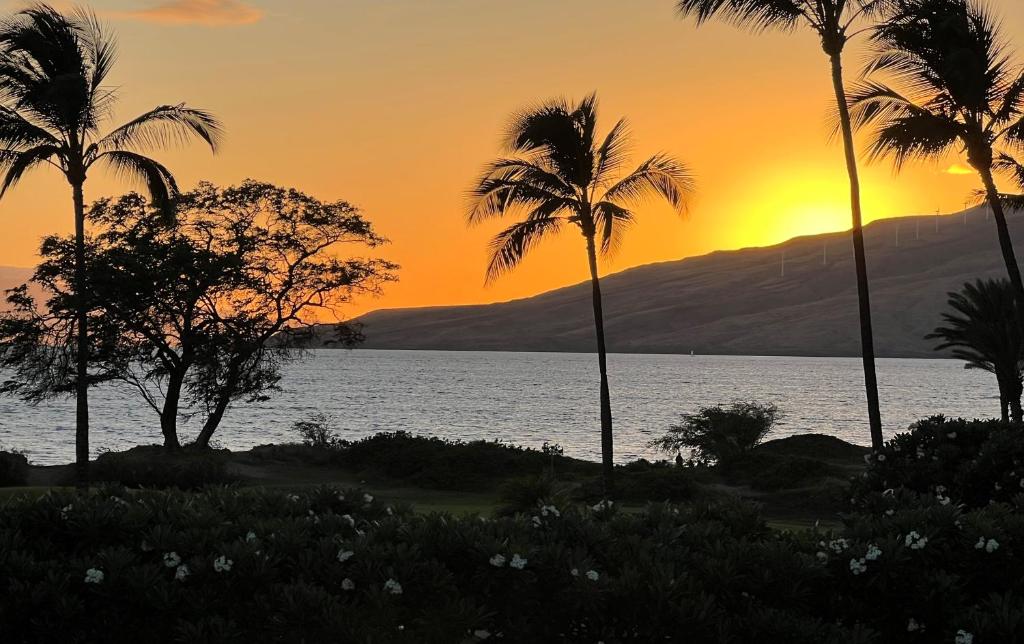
point(736, 302)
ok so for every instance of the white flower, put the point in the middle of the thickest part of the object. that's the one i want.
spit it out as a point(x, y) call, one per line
point(998, 487)
point(293, 498)
point(389, 511)
point(536, 521)
point(171, 559)
point(348, 584)
point(858, 566)
point(250, 537)
point(341, 497)
point(393, 587)
point(517, 562)
point(347, 518)
point(951, 435)
point(914, 541)
point(838, 546)
point(914, 626)
point(991, 546)
point(604, 504)
point(497, 560)
point(592, 575)
point(881, 458)
point(481, 634)
point(66, 510)
point(222, 564)
point(867, 459)
point(550, 509)
point(822, 557)
point(940, 489)
point(873, 553)
point(182, 572)
point(889, 492)
point(367, 498)
point(963, 637)
point(94, 576)
point(575, 572)
point(890, 512)
point(943, 500)
point(345, 555)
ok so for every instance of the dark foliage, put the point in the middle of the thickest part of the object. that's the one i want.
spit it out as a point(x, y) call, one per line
point(719, 434)
point(449, 465)
point(155, 467)
point(337, 565)
point(960, 462)
point(13, 468)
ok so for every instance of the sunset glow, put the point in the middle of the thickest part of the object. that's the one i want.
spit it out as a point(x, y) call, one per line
point(395, 105)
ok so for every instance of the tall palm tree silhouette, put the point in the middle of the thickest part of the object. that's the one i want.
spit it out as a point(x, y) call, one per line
point(959, 88)
point(560, 173)
point(53, 102)
point(834, 22)
point(982, 329)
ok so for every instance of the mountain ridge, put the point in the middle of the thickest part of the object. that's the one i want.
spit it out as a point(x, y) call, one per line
point(734, 302)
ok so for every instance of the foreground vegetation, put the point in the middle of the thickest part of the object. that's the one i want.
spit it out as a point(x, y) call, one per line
point(924, 545)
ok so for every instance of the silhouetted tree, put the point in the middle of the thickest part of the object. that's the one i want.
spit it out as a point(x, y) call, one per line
point(1015, 169)
point(955, 86)
point(984, 331)
point(53, 102)
point(832, 21)
point(560, 173)
point(202, 312)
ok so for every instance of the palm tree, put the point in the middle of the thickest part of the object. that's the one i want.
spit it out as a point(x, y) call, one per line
point(1015, 169)
point(834, 22)
point(559, 173)
point(52, 103)
point(959, 89)
point(983, 331)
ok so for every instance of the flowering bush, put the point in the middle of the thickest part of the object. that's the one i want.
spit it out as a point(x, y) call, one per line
point(226, 565)
point(953, 460)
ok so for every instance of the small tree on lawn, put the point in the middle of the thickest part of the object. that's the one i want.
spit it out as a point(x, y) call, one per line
point(200, 314)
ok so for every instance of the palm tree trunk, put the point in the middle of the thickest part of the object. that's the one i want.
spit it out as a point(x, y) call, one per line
point(82, 345)
point(1005, 242)
point(867, 341)
point(607, 459)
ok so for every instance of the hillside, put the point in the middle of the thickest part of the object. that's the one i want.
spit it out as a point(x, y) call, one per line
point(736, 302)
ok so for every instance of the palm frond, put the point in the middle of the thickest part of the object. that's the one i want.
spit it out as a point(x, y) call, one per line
point(158, 180)
point(611, 156)
point(661, 175)
point(560, 134)
point(611, 221)
point(14, 164)
point(512, 244)
point(753, 14)
point(16, 131)
point(162, 127)
point(510, 184)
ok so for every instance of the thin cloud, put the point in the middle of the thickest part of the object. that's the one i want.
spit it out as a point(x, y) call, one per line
point(208, 13)
point(959, 168)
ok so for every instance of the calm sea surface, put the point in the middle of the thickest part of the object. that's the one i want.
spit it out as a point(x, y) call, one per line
point(527, 398)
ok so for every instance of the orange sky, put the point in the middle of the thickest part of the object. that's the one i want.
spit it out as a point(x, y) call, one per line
point(396, 104)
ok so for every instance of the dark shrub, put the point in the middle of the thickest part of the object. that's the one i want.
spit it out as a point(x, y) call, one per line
point(969, 462)
point(642, 480)
point(445, 464)
point(318, 432)
point(718, 434)
point(156, 467)
point(770, 471)
point(527, 493)
point(13, 468)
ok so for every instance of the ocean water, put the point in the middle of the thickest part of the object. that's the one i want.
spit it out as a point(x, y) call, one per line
point(527, 399)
